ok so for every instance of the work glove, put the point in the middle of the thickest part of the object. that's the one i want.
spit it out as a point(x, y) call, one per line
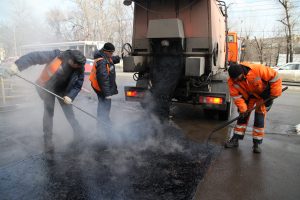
point(108, 97)
point(266, 93)
point(269, 103)
point(67, 100)
point(12, 69)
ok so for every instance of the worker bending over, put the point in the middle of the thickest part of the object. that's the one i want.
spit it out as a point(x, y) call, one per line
point(62, 75)
point(251, 84)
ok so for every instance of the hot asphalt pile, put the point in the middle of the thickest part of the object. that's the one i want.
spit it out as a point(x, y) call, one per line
point(155, 162)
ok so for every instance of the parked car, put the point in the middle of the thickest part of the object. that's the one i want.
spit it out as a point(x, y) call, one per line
point(290, 72)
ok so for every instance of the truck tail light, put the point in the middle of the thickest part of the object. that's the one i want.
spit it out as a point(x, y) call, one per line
point(210, 100)
point(134, 93)
point(131, 93)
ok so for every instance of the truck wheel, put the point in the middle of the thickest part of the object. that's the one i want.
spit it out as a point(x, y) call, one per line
point(225, 115)
point(126, 50)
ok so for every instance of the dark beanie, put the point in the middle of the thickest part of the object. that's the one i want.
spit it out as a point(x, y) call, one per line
point(78, 57)
point(108, 47)
point(235, 70)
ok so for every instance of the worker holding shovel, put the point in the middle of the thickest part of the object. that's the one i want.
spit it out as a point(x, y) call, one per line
point(249, 85)
point(62, 77)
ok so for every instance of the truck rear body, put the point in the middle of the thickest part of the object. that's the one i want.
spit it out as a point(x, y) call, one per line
point(178, 52)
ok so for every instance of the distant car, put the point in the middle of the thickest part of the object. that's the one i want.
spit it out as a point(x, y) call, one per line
point(88, 66)
point(290, 72)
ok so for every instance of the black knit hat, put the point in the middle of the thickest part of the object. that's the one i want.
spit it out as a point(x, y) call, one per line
point(108, 47)
point(235, 70)
point(78, 57)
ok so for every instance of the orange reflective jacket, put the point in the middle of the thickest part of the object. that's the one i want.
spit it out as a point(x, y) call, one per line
point(49, 71)
point(93, 74)
point(255, 83)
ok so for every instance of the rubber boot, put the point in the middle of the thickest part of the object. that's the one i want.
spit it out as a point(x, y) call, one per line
point(77, 135)
point(49, 148)
point(233, 142)
point(48, 143)
point(256, 148)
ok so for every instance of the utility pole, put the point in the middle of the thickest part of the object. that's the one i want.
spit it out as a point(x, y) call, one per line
point(15, 42)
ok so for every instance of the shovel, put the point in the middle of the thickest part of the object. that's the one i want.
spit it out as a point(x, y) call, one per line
point(59, 97)
point(236, 118)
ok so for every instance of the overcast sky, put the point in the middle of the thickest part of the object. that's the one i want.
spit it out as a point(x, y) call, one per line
point(38, 7)
point(258, 15)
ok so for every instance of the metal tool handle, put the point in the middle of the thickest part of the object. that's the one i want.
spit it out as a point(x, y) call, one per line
point(236, 118)
point(59, 97)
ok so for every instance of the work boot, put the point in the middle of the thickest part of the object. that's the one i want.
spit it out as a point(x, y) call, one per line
point(77, 135)
point(256, 148)
point(233, 142)
point(48, 148)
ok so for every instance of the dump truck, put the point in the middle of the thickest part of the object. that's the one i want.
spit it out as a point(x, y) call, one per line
point(233, 47)
point(179, 54)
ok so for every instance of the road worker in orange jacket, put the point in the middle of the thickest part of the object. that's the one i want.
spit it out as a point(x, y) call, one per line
point(103, 81)
point(63, 74)
point(249, 85)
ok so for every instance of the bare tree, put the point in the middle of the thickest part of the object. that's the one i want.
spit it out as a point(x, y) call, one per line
point(21, 27)
point(56, 19)
point(8, 43)
point(120, 23)
point(100, 20)
point(247, 52)
point(288, 23)
point(93, 20)
point(260, 46)
point(87, 22)
point(84, 22)
point(18, 29)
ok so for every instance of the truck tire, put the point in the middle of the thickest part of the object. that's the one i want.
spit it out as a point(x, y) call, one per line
point(225, 115)
point(126, 50)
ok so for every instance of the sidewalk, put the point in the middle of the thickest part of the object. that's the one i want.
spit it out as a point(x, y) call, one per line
point(239, 174)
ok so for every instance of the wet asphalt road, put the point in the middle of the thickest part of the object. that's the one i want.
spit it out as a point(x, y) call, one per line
point(147, 159)
point(274, 174)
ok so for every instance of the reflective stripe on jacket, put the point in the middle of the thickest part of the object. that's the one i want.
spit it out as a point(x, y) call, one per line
point(48, 71)
point(93, 75)
point(257, 79)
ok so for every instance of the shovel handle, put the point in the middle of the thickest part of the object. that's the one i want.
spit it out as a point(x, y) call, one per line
point(59, 97)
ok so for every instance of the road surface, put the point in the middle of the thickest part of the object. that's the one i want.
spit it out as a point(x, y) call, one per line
point(147, 159)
